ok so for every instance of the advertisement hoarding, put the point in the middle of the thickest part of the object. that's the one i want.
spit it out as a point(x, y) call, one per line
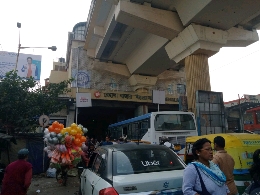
point(28, 65)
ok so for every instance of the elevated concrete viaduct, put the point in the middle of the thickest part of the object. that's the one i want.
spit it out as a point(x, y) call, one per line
point(149, 38)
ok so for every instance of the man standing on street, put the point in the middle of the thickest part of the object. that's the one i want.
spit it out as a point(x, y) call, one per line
point(18, 175)
point(225, 162)
point(107, 142)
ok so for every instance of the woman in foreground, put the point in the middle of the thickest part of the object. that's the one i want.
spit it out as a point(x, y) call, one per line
point(203, 177)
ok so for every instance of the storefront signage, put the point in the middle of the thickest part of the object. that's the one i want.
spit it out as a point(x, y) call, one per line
point(83, 100)
point(97, 94)
point(126, 96)
point(136, 97)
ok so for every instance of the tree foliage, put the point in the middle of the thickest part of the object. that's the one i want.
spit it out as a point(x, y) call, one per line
point(22, 101)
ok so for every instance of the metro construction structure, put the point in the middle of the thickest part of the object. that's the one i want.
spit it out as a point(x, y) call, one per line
point(128, 48)
point(149, 37)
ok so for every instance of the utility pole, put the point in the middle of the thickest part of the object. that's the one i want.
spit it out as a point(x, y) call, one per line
point(19, 46)
point(241, 114)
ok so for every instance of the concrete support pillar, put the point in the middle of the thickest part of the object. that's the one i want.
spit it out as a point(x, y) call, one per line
point(197, 77)
point(71, 116)
point(140, 110)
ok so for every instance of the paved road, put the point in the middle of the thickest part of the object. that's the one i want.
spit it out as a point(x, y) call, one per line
point(49, 186)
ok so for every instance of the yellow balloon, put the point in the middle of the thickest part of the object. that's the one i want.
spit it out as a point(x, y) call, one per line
point(73, 125)
point(63, 131)
point(79, 130)
point(73, 132)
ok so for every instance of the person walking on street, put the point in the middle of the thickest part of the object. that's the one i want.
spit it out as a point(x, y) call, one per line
point(18, 175)
point(203, 176)
point(84, 156)
point(225, 162)
point(91, 150)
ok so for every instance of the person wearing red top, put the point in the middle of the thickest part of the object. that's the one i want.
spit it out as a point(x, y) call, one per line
point(18, 175)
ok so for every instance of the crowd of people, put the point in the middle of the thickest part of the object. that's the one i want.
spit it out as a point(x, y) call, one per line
point(208, 174)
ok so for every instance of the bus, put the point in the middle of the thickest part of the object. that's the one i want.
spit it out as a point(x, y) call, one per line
point(151, 127)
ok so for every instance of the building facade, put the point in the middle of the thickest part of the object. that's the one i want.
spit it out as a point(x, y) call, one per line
point(132, 47)
point(115, 94)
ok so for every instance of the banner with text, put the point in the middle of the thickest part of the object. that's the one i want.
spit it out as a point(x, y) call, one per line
point(28, 65)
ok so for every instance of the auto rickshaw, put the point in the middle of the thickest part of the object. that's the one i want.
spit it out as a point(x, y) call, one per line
point(240, 146)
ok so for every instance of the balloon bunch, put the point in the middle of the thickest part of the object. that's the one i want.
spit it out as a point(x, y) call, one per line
point(64, 144)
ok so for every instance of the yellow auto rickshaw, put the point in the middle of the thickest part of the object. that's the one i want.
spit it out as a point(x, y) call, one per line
point(240, 146)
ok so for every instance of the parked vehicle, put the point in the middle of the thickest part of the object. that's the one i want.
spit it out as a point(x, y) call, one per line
point(152, 127)
point(132, 168)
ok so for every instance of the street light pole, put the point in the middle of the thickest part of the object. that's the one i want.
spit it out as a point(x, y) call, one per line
point(19, 46)
point(53, 48)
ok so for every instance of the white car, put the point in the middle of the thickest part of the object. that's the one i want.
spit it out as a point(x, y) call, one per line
point(134, 170)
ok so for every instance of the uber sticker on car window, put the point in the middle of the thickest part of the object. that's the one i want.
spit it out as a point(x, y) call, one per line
point(150, 163)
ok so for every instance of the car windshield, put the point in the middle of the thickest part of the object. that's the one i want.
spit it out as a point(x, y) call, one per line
point(145, 161)
point(174, 122)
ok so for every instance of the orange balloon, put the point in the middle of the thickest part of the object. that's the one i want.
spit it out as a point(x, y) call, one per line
point(77, 141)
point(78, 135)
point(56, 124)
point(83, 139)
point(61, 126)
point(57, 130)
point(51, 129)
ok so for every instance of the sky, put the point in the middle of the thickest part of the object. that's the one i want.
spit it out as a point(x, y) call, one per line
point(46, 23)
